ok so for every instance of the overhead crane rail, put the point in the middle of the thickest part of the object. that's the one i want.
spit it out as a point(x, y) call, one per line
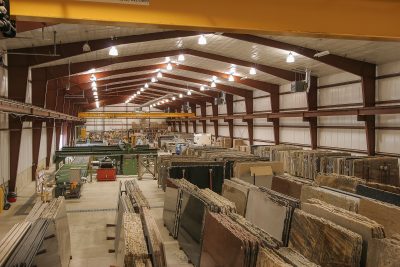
point(133, 115)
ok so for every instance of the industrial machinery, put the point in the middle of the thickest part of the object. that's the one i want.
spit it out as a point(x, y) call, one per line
point(68, 178)
point(107, 170)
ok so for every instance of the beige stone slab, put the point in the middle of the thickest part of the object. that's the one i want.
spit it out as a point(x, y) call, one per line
point(384, 253)
point(335, 198)
point(236, 193)
point(386, 214)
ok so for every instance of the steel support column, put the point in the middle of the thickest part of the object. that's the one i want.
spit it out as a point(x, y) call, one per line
point(275, 105)
point(215, 121)
point(49, 141)
point(250, 122)
point(229, 111)
point(58, 126)
point(368, 90)
point(36, 136)
point(203, 111)
point(193, 109)
point(312, 105)
point(15, 126)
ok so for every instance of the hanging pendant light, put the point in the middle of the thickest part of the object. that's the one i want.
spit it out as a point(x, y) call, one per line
point(290, 58)
point(93, 78)
point(213, 84)
point(146, 85)
point(142, 89)
point(189, 92)
point(113, 51)
point(159, 74)
point(180, 95)
point(153, 80)
point(253, 71)
point(169, 66)
point(202, 88)
point(173, 98)
point(202, 40)
point(231, 78)
point(181, 57)
point(97, 104)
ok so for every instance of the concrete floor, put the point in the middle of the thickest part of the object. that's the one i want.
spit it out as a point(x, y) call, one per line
point(88, 217)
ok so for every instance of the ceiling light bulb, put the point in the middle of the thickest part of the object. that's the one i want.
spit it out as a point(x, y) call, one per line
point(253, 71)
point(173, 98)
point(94, 84)
point(181, 57)
point(94, 93)
point(189, 92)
point(153, 80)
point(202, 40)
point(231, 78)
point(146, 85)
point(169, 66)
point(151, 105)
point(213, 84)
point(94, 89)
point(158, 103)
point(142, 89)
point(233, 69)
point(126, 102)
point(215, 78)
point(290, 58)
point(138, 93)
point(97, 104)
point(159, 74)
point(93, 78)
point(167, 100)
point(167, 59)
point(180, 95)
point(113, 51)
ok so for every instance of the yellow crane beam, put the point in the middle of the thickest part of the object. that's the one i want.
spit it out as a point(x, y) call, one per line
point(360, 19)
point(133, 115)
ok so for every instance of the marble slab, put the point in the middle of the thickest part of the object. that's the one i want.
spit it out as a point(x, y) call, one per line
point(236, 193)
point(324, 242)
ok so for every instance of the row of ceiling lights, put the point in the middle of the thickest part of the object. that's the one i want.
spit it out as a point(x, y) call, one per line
point(113, 51)
point(94, 89)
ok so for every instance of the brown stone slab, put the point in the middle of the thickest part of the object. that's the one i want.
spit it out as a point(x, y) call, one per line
point(324, 242)
point(287, 186)
point(384, 253)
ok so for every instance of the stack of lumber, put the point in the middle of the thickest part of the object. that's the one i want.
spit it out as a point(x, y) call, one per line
point(29, 245)
point(9, 243)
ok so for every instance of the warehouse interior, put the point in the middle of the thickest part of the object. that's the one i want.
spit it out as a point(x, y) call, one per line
point(146, 133)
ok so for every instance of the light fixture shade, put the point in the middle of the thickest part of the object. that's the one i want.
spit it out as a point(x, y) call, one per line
point(169, 66)
point(159, 74)
point(113, 51)
point(290, 58)
point(92, 71)
point(253, 71)
point(189, 92)
point(93, 78)
point(138, 93)
point(202, 40)
point(97, 104)
point(231, 78)
point(94, 93)
point(167, 100)
point(213, 84)
point(167, 59)
point(94, 84)
point(153, 80)
point(215, 78)
point(142, 89)
point(94, 89)
point(180, 95)
point(173, 98)
point(146, 85)
point(181, 57)
point(202, 88)
point(86, 47)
